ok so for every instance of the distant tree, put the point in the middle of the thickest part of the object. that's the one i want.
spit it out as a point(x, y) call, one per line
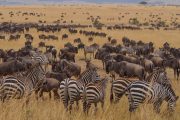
point(143, 3)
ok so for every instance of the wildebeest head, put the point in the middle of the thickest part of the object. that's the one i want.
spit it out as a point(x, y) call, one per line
point(109, 65)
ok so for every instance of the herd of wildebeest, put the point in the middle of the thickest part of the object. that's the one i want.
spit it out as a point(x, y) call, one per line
point(137, 69)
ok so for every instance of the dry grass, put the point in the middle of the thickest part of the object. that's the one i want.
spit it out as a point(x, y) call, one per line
point(53, 110)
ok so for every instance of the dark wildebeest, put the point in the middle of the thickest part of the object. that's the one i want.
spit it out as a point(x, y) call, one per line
point(126, 69)
point(50, 84)
point(12, 66)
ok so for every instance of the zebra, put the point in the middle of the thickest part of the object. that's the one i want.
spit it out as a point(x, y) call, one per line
point(119, 85)
point(41, 58)
point(117, 88)
point(93, 93)
point(142, 92)
point(23, 85)
point(70, 88)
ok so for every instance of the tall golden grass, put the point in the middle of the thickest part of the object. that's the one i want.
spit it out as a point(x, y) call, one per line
point(54, 110)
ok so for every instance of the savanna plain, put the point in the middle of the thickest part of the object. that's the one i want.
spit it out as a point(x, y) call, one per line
point(109, 15)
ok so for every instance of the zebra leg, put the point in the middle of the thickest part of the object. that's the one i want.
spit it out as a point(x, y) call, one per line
point(70, 106)
point(86, 107)
point(95, 110)
point(77, 105)
point(117, 98)
point(66, 102)
point(157, 105)
point(132, 106)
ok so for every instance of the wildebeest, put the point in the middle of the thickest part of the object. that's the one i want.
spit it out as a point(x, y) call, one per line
point(147, 64)
point(89, 49)
point(58, 75)
point(68, 56)
point(70, 68)
point(50, 84)
point(12, 66)
point(158, 61)
point(64, 36)
point(126, 69)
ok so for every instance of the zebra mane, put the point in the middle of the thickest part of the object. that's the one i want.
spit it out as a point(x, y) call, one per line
point(85, 72)
point(154, 76)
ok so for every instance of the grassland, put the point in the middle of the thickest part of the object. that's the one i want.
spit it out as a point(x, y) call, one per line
point(54, 110)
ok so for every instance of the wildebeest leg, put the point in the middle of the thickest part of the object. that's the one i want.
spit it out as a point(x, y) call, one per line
point(41, 93)
point(85, 55)
point(56, 95)
point(49, 94)
point(103, 64)
point(90, 55)
point(178, 73)
point(175, 73)
point(36, 93)
point(46, 67)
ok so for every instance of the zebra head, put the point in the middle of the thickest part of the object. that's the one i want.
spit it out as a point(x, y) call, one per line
point(89, 75)
point(163, 79)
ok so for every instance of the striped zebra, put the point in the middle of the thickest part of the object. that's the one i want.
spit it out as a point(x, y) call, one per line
point(93, 93)
point(119, 85)
point(117, 88)
point(19, 86)
point(70, 88)
point(142, 92)
point(41, 58)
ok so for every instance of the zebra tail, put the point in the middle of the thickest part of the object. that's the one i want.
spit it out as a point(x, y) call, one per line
point(1, 93)
point(84, 99)
point(66, 95)
point(111, 94)
point(127, 89)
